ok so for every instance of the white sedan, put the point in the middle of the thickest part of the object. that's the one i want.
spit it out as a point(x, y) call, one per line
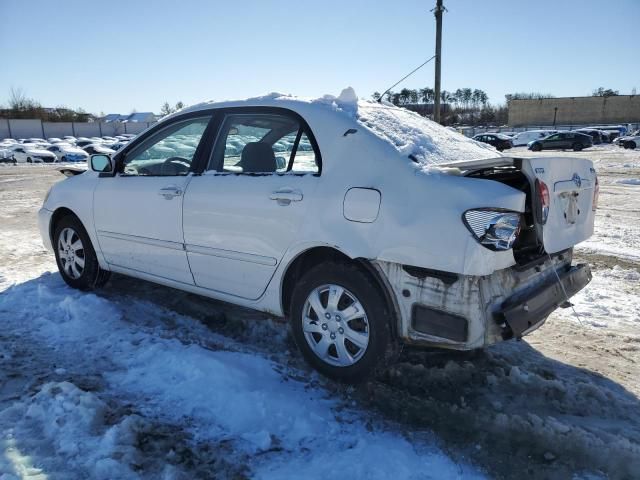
point(365, 224)
point(68, 153)
point(31, 153)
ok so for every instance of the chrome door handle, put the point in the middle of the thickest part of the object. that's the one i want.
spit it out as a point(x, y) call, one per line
point(286, 196)
point(169, 192)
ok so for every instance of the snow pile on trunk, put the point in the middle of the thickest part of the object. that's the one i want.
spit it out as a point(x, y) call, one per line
point(412, 134)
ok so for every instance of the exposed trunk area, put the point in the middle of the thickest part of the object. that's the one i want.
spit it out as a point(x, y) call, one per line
point(560, 204)
point(528, 246)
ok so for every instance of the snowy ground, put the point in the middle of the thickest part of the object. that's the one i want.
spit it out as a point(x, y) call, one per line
point(142, 381)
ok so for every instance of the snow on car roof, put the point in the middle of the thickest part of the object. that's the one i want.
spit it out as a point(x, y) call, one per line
point(408, 132)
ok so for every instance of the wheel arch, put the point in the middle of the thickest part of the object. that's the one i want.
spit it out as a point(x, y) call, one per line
point(58, 214)
point(315, 255)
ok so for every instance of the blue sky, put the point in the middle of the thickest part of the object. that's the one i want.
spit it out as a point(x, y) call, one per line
point(115, 56)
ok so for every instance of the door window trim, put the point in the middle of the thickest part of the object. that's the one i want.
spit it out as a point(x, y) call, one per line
point(218, 123)
point(201, 150)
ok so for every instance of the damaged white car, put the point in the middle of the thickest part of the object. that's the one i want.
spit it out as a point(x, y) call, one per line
point(364, 224)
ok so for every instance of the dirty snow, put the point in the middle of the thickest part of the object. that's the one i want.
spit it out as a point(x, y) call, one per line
point(142, 381)
point(112, 386)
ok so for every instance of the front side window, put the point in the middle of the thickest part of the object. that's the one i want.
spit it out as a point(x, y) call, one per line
point(169, 152)
point(263, 143)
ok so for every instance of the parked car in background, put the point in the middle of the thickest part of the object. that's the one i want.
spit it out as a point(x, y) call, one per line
point(630, 141)
point(95, 148)
point(523, 138)
point(499, 141)
point(83, 142)
point(118, 145)
point(596, 135)
point(562, 141)
point(326, 237)
point(6, 155)
point(68, 153)
point(70, 138)
point(28, 153)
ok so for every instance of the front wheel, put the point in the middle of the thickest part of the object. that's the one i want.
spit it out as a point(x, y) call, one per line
point(340, 321)
point(577, 147)
point(631, 145)
point(75, 256)
point(29, 160)
point(536, 147)
point(63, 159)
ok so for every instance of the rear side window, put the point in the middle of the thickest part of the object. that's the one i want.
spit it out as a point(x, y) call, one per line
point(250, 143)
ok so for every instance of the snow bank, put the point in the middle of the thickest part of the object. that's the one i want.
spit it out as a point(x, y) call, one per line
point(216, 394)
point(71, 422)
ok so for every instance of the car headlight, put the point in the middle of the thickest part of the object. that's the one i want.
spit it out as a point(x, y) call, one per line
point(493, 229)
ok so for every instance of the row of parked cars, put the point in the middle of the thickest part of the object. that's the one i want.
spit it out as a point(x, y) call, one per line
point(65, 149)
point(538, 140)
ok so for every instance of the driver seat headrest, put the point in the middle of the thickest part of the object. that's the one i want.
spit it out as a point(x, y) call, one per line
point(258, 157)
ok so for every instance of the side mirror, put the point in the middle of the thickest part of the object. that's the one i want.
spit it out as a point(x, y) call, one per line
point(281, 163)
point(101, 163)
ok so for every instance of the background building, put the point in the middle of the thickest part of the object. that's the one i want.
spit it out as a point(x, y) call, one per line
point(575, 110)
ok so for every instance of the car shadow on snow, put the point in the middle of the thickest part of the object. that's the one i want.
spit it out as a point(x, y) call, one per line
point(509, 407)
point(512, 410)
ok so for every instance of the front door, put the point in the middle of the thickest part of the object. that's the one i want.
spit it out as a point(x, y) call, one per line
point(138, 212)
point(247, 208)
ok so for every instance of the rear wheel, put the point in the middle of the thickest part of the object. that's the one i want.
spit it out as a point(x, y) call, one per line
point(339, 321)
point(577, 147)
point(75, 256)
point(29, 160)
point(63, 159)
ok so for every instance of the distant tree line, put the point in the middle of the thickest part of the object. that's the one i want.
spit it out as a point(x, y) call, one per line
point(470, 106)
point(21, 106)
point(465, 105)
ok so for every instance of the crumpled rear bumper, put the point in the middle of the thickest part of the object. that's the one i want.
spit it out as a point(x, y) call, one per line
point(522, 313)
point(466, 312)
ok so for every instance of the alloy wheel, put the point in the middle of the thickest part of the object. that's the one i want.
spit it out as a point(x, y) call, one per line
point(335, 325)
point(71, 253)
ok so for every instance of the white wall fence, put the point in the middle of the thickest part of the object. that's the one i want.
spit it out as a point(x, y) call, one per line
point(20, 128)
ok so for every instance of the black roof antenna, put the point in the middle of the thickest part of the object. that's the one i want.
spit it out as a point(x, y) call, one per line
point(404, 78)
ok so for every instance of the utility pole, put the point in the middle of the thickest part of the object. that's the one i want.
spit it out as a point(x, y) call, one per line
point(438, 14)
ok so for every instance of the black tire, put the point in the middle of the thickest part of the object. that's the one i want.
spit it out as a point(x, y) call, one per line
point(577, 147)
point(29, 160)
point(356, 282)
point(63, 159)
point(536, 147)
point(92, 276)
point(632, 145)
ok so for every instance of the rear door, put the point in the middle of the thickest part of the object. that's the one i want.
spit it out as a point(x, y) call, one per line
point(571, 183)
point(242, 214)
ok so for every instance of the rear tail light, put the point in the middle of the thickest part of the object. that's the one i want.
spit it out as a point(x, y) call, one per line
point(493, 229)
point(543, 200)
point(596, 194)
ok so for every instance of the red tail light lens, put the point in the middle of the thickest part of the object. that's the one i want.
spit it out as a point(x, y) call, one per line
point(596, 194)
point(543, 200)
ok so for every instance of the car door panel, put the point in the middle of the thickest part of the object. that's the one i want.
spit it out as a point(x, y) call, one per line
point(140, 228)
point(237, 228)
point(138, 212)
